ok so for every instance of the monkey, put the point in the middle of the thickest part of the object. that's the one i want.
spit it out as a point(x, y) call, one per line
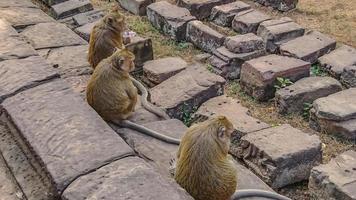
point(112, 94)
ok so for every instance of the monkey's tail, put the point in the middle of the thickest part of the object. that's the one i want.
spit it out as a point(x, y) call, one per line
point(248, 193)
point(152, 133)
point(144, 95)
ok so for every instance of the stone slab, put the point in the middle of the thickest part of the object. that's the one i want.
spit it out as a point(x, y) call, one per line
point(9, 189)
point(280, 155)
point(85, 30)
point(51, 35)
point(201, 8)
point(16, 3)
point(203, 36)
point(143, 50)
point(348, 76)
point(244, 43)
point(336, 61)
point(170, 19)
point(224, 14)
point(309, 47)
point(187, 90)
point(160, 70)
point(281, 5)
point(20, 74)
point(79, 84)
point(87, 17)
point(137, 7)
point(291, 99)
point(21, 17)
point(137, 180)
point(258, 76)
point(66, 135)
point(276, 32)
point(52, 2)
point(336, 179)
point(70, 8)
point(248, 21)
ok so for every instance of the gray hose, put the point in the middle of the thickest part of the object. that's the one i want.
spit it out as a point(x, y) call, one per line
point(248, 193)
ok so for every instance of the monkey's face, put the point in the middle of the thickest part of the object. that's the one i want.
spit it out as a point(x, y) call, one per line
point(124, 60)
point(116, 21)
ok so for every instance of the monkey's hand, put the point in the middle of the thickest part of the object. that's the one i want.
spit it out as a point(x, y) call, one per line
point(172, 166)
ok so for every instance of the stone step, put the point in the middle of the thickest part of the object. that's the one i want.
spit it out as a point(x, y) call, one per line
point(85, 30)
point(259, 75)
point(186, 91)
point(348, 76)
point(201, 8)
point(9, 189)
point(88, 17)
point(224, 14)
point(203, 36)
point(280, 155)
point(137, 7)
point(309, 47)
point(292, 99)
point(336, 61)
point(245, 43)
point(280, 5)
point(70, 8)
point(248, 21)
point(16, 3)
point(336, 179)
point(336, 114)
point(52, 2)
point(170, 19)
point(276, 32)
point(79, 84)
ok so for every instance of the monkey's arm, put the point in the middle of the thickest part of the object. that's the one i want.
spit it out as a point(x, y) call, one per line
point(132, 94)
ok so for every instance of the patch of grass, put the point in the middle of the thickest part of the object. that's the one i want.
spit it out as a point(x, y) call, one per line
point(317, 70)
point(306, 110)
point(188, 114)
point(209, 67)
point(282, 83)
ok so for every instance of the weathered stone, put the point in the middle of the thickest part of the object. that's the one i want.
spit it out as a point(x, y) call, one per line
point(170, 19)
point(143, 50)
point(51, 35)
point(64, 132)
point(276, 32)
point(336, 179)
point(127, 178)
point(137, 7)
point(20, 17)
point(201, 8)
point(348, 76)
point(224, 14)
point(9, 189)
point(79, 84)
point(203, 36)
point(281, 5)
point(70, 8)
point(308, 47)
point(85, 30)
point(291, 99)
point(244, 43)
point(248, 21)
point(258, 76)
point(143, 116)
point(20, 74)
point(202, 57)
point(336, 61)
point(16, 3)
point(53, 2)
point(187, 90)
point(88, 17)
point(159, 70)
point(283, 154)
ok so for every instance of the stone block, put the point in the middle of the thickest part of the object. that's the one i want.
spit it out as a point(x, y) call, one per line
point(70, 8)
point(137, 7)
point(276, 32)
point(85, 30)
point(259, 76)
point(203, 36)
point(309, 47)
point(280, 155)
point(203, 57)
point(79, 84)
point(16, 3)
point(291, 99)
point(21, 17)
point(70, 61)
point(281, 5)
point(348, 76)
point(248, 21)
point(244, 43)
point(52, 35)
point(201, 8)
point(160, 70)
point(20, 74)
point(187, 90)
point(224, 14)
point(52, 2)
point(336, 179)
point(143, 50)
point(136, 180)
point(336, 61)
point(170, 19)
point(87, 17)
point(63, 132)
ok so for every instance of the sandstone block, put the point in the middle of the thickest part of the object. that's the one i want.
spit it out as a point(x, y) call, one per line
point(348, 76)
point(53, 2)
point(258, 76)
point(244, 43)
point(309, 47)
point(85, 30)
point(281, 5)
point(336, 179)
point(291, 99)
point(187, 90)
point(137, 7)
point(336, 61)
point(143, 50)
point(170, 19)
point(203, 36)
point(224, 14)
point(276, 32)
point(201, 8)
point(79, 84)
point(70, 8)
point(248, 21)
point(284, 155)
point(16, 3)
point(160, 70)
point(202, 57)
point(88, 17)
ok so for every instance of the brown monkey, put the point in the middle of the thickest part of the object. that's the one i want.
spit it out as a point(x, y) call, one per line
point(204, 168)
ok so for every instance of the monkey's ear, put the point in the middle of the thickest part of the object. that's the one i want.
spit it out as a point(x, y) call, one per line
point(221, 132)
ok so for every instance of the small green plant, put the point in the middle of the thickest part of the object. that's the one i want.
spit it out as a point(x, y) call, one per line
point(306, 110)
point(233, 88)
point(317, 70)
point(188, 114)
point(210, 68)
point(282, 83)
point(183, 45)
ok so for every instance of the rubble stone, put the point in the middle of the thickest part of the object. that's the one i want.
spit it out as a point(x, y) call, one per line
point(85, 30)
point(201, 8)
point(88, 17)
point(224, 14)
point(53, 2)
point(248, 21)
point(70, 8)
point(137, 7)
point(244, 43)
point(281, 5)
point(348, 76)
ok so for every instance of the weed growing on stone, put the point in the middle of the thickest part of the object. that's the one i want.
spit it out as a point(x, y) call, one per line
point(282, 83)
point(209, 67)
point(306, 110)
point(188, 114)
point(317, 70)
